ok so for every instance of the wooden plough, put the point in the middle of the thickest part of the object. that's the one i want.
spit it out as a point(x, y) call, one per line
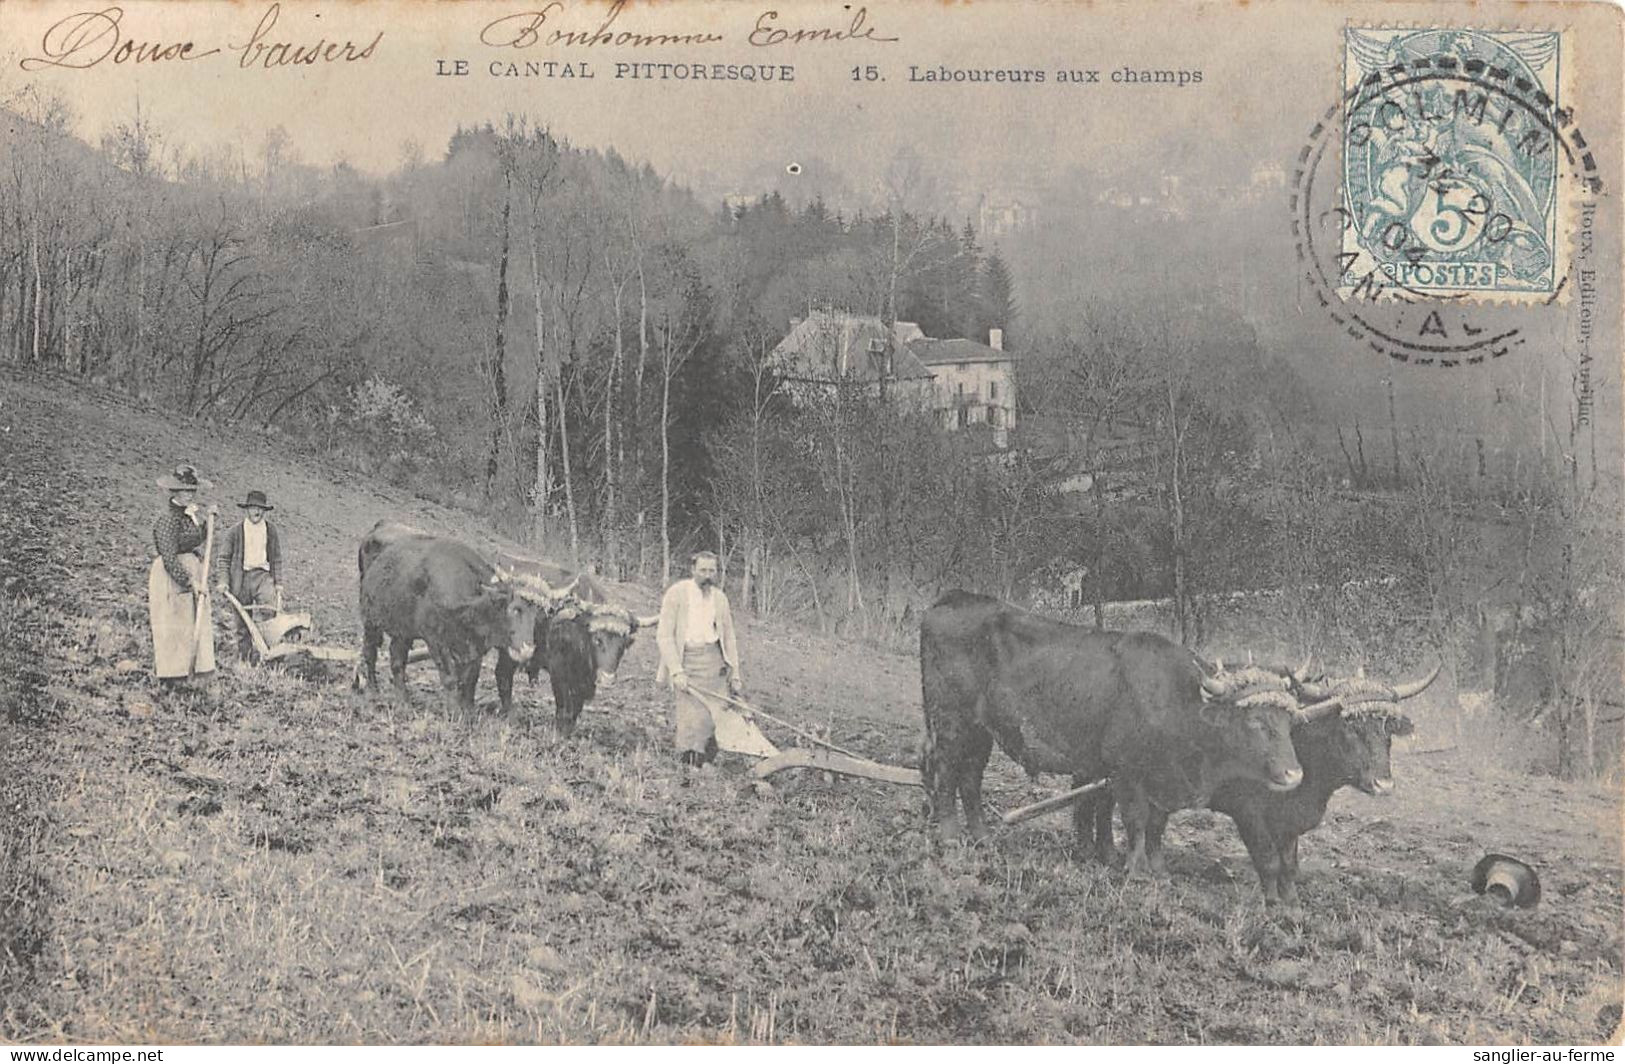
point(737, 733)
point(279, 635)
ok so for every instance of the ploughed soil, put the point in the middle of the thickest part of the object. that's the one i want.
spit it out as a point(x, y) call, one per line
point(277, 859)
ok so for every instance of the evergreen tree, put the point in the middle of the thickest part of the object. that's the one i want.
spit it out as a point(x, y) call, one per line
point(998, 299)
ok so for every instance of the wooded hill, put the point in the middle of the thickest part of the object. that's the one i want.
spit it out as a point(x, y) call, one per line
point(576, 347)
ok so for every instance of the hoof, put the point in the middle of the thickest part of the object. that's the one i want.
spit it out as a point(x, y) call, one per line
point(1140, 869)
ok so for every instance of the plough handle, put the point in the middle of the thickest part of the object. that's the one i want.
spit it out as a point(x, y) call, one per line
point(253, 629)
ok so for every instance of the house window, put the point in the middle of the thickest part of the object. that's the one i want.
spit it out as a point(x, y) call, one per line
point(959, 388)
point(992, 389)
point(995, 416)
point(964, 416)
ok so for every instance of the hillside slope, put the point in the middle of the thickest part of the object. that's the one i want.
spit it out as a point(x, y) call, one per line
point(279, 860)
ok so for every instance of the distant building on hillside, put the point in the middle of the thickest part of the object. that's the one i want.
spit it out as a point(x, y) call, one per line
point(1001, 214)
point(967, 383)
point(976, 383)
point(825, 348)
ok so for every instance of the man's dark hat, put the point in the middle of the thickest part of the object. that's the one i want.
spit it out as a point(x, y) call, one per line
point(184, 478)
point(1507, 880)
point(256, 498)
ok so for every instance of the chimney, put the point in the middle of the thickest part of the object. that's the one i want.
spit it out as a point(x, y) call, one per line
point(995, 339)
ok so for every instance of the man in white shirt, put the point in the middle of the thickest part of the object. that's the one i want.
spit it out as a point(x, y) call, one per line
point(697, 651)
point(252, 559)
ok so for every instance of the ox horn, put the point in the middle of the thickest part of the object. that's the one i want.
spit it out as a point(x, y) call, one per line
point(1318, 710)
point(1301, 673)
point(1212, 686)
point(1416, 687)
point(646, 622)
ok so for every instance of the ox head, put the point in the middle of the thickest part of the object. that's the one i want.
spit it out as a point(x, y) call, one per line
point(1367, 717)
point(1250, 713)
point(521, 600)
point(610, 632)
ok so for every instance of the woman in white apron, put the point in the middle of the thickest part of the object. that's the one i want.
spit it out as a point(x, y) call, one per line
point(181, 647)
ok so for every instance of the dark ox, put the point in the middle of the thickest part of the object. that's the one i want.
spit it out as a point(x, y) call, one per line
point(1348, 747)
point(1064, 699)
point(444, 593)
point(580, 646)
point(386, 533)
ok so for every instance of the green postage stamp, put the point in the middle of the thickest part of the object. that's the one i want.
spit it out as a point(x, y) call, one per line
point(1452, 163)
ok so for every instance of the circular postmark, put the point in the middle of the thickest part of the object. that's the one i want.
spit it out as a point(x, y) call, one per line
point(1429, 204)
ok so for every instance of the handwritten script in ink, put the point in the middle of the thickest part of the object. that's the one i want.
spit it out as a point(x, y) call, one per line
point(547, 26)
point(88, 38)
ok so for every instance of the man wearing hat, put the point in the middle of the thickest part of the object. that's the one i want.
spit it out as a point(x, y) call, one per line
point(252, 557)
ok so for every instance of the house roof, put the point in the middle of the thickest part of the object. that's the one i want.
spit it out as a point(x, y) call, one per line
point(932, 352)
point(828, 346)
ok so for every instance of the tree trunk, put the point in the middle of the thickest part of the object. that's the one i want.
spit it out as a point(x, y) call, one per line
point(665, 478)
point(569, 489)
point(756, 551)
point(498, 367)
point(612, 452)
point(200, 345)
point(1099, 561)
point(39, 295)
point(1177, 505)
point(636, 413)
point(543, 488)
point(846, 493)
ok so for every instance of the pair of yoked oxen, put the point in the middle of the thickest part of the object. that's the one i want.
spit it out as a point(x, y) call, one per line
point(1267, 746)
point(463, 605)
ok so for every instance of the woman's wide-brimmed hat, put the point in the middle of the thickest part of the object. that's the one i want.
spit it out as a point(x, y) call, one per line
point(184, 478)
point(255, 498)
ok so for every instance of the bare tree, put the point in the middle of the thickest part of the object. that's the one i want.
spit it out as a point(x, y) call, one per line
point(536, 160)
point(497, 366)
point(678, 328)
point(1087, 378)
point(226, 292)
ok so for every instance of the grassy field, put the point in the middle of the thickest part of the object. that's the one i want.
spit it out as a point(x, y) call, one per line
point(277, 859)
